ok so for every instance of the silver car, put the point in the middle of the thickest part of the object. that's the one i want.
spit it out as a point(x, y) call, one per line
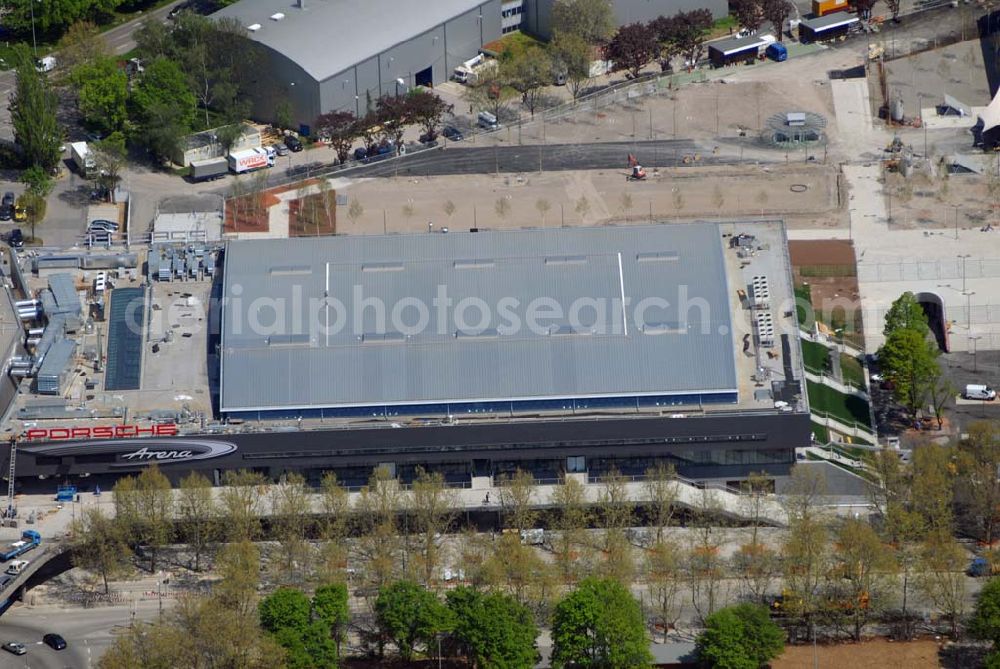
point(281, 149)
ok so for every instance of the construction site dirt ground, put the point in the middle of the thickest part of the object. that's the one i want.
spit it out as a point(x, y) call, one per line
point(921, 654)
point(804, 195)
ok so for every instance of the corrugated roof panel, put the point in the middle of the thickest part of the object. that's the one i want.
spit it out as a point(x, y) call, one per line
point(520, 298)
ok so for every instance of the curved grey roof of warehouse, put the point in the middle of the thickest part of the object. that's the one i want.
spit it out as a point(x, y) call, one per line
point(326, 37)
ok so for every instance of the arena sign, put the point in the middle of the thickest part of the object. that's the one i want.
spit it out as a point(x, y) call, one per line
point(131, 452)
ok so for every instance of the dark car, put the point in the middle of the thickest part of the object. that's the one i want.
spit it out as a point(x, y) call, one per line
point(16, 239)
point(293, 143)
point(360, 153)
point(452, 133)
point(54, 641)
point(7, 206)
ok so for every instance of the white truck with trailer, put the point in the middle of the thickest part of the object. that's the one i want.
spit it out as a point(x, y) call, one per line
point(209, 168)
point(83, 158)
point(249, 160)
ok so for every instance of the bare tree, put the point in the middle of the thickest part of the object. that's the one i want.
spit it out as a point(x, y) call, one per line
point(664, 565)
point(291, 515)
point(543, 206)
point(863, 563)
point(335, 507)
point(572, 516)
point(378, 508)
point(660, 487)
point(242, 499)
point(516, 500)
point(433, 506)
point(942, 578)
point(197, 514)
point(98, 545)
point(705, 567)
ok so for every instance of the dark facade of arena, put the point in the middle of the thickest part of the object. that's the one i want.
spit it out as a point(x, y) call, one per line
point(718, 446)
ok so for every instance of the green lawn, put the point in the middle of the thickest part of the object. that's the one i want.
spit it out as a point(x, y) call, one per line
point(820, 433)
point(851, 368)
point(816, 357)
point(847, 409)
point(803, 306)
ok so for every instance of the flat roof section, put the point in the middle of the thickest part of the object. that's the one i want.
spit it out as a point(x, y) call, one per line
point(829, 22)
point(125, 335)
point(301, 31)
point(736, 44)
point(493, 316)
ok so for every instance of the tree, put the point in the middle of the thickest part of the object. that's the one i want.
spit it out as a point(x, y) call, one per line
point(749, 13)
point(511, 566)
point(410, 616)
point(242, 498)
point(393, 112)
point(978, 489)
point(805, 559)
point(335, 507)
point(493, 631)
point(776, 12)
point(329, 605)
point(144, 507)
point(632, 48)
point(98, 544)
point(863, 562)
point(291, 512)
point(933, 487)
point(865, 7)
point(906, 314)
point(163, 107)
point(378, 507)
point(685, 33)
point(284, 608)
point(599, 624)
point(491, 93)
point(33, 108)
point(591, 20)
point(572, 516)
point(942, 577)
point(82, 45)
point(516, 493)
point(909, 360)
point(740, 637)
point(616, 512)
point(197, 514)
point(574, 54)
point(340, 129)
point(239, 565)
point(102, 94)
point(38, 185)
point(528, 72)
point(109, 162)
point(985, 623)
point(228, 135)
point(543, 206)
point(940, 391)
point(433, 507)
point(426, 110)
point(664, 574)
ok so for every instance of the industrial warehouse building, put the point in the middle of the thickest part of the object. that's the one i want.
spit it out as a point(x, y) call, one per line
point(319, 56)
point(475, 354)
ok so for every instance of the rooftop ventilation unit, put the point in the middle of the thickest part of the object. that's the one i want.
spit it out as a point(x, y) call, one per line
point(253, 27)
point(277, 17)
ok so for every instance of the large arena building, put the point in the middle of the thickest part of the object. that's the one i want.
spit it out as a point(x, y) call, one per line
point(478, 353)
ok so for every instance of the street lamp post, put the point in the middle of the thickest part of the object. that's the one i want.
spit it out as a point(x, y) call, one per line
point(974, 347)
point(34, 43)
point(964, 257)
point(968, 310)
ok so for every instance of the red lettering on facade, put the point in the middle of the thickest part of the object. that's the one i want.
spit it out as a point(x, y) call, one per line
point(100, 432)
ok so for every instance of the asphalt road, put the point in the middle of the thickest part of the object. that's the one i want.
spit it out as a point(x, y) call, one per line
point(88, 633)
point(550, 157)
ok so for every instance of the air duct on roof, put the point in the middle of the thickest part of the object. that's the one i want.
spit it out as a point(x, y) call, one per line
point(253, 27)
point(277, 17)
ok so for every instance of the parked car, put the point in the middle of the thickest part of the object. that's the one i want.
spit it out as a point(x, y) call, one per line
point(452, 133)
point(16, 239)
point(360, 153)
point(54, 641)
point(15, 647)
point(293, 143)
point(20, 214)
point(7, 206)
point(281, 149)
point(103, 224)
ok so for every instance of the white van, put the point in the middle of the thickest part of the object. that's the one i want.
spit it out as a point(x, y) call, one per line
point(977, 391)
point(488, 121)
point(17, 566)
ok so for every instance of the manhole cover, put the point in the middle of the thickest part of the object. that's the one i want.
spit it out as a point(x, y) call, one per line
point(798, 188)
